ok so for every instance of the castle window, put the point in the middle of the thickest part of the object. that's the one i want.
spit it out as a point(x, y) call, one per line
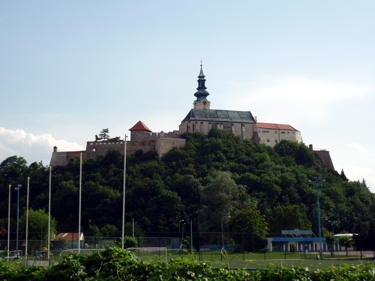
point(93, 149)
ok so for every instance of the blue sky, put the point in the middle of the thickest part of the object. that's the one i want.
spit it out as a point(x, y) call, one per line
point(71, 68)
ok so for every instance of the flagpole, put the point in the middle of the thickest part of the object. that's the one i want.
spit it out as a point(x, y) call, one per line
point(9, 221)
point(27, 217)
point(123, 198)
point(49, 211)
point(79, 208)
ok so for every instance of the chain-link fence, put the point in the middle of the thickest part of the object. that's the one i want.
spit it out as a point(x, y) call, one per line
point(204, 246)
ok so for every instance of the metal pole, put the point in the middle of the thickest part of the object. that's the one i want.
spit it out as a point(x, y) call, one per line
point(318, 186)
point(79, 207)
point(27, 217)
point(123, 198)
point(49, 212)
point(18, 215)
point(191, 236)
point(9, 221)
point(133, 227)
point(222, 233)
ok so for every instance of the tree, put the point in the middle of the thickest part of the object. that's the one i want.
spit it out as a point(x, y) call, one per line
point(347, 242)
point(109, 230)
point(249, 220)
point(343, 176)
point(330, 240)
point(38, 226)
point(219, 198)
point(103, 135)
point(287, 218)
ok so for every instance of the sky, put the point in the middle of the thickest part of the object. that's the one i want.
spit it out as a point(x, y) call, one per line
point(69, 69)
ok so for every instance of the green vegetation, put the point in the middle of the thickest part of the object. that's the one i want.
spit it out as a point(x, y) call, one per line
point(117, 264)
point(217, 181)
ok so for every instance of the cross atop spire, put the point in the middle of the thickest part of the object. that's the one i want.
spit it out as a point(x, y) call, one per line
point(201, 94)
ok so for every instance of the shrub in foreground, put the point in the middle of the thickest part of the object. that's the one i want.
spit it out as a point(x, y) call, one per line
point(117, 264)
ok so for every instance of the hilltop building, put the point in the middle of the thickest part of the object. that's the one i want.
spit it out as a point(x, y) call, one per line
point(201, 118)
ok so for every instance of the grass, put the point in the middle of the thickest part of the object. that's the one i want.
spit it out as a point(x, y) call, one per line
point(262, 260)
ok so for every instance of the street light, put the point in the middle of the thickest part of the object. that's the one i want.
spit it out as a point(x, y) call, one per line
point(222, 230)
point(179, 225)
point(318, 186)
point(18, 214)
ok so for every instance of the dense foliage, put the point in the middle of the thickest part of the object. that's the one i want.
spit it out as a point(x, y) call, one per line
point(117, 264)
point(236, 175)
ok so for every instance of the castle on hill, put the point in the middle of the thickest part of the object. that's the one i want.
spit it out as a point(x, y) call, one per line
point(201, 118)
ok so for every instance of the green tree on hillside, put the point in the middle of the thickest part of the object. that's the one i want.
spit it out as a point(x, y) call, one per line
point(38, 226)
point(219, 199)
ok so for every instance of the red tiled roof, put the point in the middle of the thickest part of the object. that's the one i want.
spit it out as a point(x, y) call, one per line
point(273, 126)
point(70, 236)
point(140, 126)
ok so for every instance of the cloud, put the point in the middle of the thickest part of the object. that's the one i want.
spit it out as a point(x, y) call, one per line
point(31, 147)
point(357, 147)
point(291, 96)
point(295, 88)
point(355, 173)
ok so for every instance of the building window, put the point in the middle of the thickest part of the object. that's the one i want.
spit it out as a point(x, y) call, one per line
point(268, 140)
point(275, 132)
point(276, 141)
point(93, 149)
point(283, 132)
point(264, 131)
point(288, 132)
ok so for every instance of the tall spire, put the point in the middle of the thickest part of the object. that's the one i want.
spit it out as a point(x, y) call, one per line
point(201, 94)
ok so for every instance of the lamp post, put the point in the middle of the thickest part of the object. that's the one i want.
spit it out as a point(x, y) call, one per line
point(318, 186)
point(18, 214)
point(179, 225)
point(222, 230)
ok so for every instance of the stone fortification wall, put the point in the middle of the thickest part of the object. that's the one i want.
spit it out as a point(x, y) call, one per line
point(326, 158)
point(96, 148)
point(163, 145)
point(63, 158)
point(140, 140)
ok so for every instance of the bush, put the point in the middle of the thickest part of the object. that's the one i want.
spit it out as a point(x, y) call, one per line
point(117, 264)
point(130, 242)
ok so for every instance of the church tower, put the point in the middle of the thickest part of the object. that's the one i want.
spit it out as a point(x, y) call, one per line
point(201, 102)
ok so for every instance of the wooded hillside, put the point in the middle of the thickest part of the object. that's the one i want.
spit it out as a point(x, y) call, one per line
point(215, 179)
